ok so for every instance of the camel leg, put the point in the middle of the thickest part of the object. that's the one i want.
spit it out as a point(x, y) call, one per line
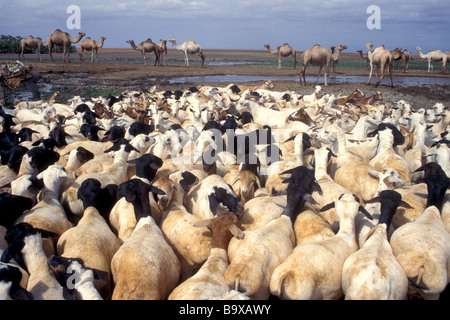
point(203, 58)
point(157, 59)
point(50, 49)
point(370, 73)
point(327, 70)
point(382, 76)
point(186, 60)
point(295, 62)
point(390, 74)
point(279, 62)
point(320, 71)
point(302, 73)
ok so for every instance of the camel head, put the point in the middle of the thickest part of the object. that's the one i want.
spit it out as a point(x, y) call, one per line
point(173, 41)
point(418, 49)
point(369, 45)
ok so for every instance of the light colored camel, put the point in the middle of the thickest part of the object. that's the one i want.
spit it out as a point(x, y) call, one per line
point(89, 44)
point(404, 56)
point(318, 56)
point(434, 56)
point(283, 51)
point(336, 52)
point(189, 47)
point(365, 57)
point(162, 45)
point(62, 39)
point(32, 43)
point(381, 58)
point(147, 46)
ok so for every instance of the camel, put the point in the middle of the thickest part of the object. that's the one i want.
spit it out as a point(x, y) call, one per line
point(283, 51)
point(317, 56)
point(162, 45)
point(32, 43)
point(189, 47)
point(62, 39)
point(89, 44)
point(381, 58)
point(434, 56)
point(365, 57)
point(147, 46)
point(336, 52)
point(404, 56)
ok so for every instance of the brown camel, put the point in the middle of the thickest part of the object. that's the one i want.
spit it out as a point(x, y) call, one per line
point(283, 51)
point(404, 56)
point(336, 52)
point(365, 57)
point(62, 39)
point(318, 56)
point(381, 58)
point(32, 43)
point(162, 44)
point(147, 46)
point(89, 44)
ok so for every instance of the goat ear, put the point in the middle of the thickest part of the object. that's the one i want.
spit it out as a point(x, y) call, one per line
point(405, 204)
point(316, 187)
point(47, 234)
point(99, 274)
point(373, 173)
point(203, 223)
point(156, 190)
point(235, 231)
point(373, 200)
point(327, 207)
point(365, 212)
point(307, 197)
point(213, 203)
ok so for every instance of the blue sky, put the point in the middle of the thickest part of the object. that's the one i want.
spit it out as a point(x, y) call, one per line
point(235, 24)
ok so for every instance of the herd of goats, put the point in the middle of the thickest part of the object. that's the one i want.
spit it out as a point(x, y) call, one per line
point(224, 193)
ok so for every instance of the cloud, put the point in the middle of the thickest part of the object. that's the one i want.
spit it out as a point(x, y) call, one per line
point(237, 23)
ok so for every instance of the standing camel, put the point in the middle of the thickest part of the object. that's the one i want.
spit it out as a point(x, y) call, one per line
point(283, 51)
point(336, 52)
point(318, 56)
point(147, 46)
point(365, 57)
point(62, 39)
point(381, 58)
point(189, 47)
point(32, 43)
point(89, 44)
point(162, 45)
point(404, 56)
point(434, 56)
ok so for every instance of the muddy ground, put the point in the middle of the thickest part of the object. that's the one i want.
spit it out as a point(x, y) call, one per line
point(121, 69)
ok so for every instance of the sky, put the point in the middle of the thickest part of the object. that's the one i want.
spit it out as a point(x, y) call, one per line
point(238, 24)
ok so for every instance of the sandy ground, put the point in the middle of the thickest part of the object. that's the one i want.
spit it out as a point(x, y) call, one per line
point(121, 69)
